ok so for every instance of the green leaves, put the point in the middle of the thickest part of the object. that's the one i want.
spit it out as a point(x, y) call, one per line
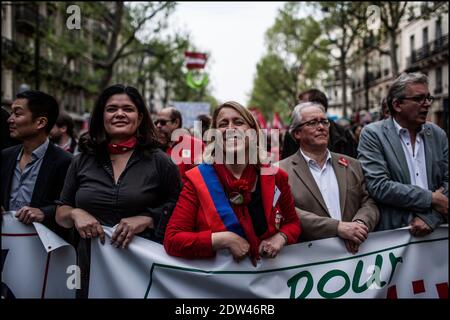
point(296, 51)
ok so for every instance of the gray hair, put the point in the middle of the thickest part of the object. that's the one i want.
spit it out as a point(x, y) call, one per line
point(397, 89)
point(297, 116)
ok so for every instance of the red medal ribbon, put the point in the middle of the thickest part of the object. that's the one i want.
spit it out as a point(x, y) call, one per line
point(343, 161)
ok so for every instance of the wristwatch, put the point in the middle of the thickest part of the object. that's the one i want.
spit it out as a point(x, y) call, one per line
point(360, 222)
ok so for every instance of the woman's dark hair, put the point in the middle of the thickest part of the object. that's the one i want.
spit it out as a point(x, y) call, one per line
point(98, 138)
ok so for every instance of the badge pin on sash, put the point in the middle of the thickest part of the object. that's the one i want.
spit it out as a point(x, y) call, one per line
point(278, 215)
point(186, 153)
point(236, 198)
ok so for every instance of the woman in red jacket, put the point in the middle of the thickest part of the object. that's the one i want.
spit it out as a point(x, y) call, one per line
point(233, 200)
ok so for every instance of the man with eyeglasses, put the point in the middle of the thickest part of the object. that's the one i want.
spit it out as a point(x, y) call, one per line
point(341, 139)
point(177, 142)
point(405, 160)
point(329, 190)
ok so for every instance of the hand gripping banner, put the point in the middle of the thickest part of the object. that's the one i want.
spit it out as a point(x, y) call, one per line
point(36, 263)
point(390, 264)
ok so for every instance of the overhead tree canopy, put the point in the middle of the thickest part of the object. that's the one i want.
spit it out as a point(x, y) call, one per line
point(297, 54)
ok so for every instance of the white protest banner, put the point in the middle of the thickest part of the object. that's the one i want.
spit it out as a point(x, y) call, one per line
point(390, 264)
point(35, 261)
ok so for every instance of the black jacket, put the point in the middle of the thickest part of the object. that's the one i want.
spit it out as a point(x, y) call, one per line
point(149, 186)
point(340, 141)
point(49, 182)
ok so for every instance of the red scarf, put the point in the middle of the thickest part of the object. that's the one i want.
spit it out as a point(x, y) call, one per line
point(122, 147)
point(242, 186)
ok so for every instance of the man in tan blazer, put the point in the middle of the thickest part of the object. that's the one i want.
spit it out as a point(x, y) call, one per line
point(329, 189)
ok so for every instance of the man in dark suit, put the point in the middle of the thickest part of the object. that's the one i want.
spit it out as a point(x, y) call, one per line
point(341, 140)
point(32, 173)
point(330, 195)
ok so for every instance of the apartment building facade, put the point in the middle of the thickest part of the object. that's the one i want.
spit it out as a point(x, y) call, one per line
point(422, 45)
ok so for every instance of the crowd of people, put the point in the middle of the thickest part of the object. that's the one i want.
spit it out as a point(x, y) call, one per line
point(147, 176)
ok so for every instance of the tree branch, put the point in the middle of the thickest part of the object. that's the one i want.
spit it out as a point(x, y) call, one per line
point(140, 24)
point(400, 15)
point(120, 52)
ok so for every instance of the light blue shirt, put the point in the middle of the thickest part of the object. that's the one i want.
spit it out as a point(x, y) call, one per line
point(22, 184)
point(327, 183)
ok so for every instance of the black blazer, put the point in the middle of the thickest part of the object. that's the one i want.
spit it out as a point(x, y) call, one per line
point(49, 182)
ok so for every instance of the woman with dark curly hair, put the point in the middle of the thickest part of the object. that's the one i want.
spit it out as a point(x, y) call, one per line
point(120, 178)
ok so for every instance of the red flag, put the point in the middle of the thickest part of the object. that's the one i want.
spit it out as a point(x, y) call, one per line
point(259, 117)
point(276, 121)
point(195, 60)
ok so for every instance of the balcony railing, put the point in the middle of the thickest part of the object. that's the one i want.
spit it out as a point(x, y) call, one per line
point(431, 48)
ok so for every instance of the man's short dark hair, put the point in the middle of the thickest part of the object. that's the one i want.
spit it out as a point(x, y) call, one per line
point(315, 95)
point(66, 120)
point(41, 104)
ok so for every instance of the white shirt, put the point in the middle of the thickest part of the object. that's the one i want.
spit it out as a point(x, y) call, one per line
point(326, 181)
point(415, 160)
point(66, 146)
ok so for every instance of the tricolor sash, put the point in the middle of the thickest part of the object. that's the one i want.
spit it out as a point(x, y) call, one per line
point(218, 211)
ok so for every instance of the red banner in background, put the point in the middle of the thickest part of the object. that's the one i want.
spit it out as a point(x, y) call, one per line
point(258, 116)
point(276, 122)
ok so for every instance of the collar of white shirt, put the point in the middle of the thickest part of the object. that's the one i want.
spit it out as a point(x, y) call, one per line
point(401, 130)
point(66, 146)
point(310, 161)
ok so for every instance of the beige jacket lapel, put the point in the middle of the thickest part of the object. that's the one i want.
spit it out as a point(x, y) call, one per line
point(341, 176)
point(301, 169)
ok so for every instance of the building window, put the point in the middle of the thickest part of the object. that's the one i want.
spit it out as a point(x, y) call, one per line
point(425, 36)
point(438, 80)
point(412, 58)
point(438, 28)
